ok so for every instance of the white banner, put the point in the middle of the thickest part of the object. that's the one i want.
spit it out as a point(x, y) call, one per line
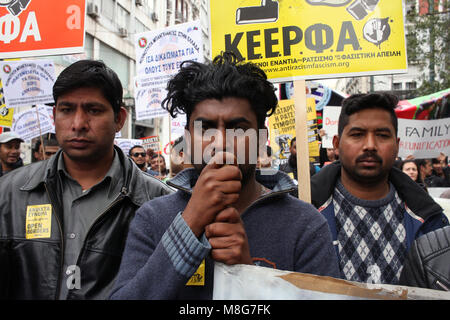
point(148, 99)
point(27, 126)
point(330, 125)
point(127, 144)
point(177, 126)
point(246, 282)
point(159, 54)
point(27, 83)
point(424, 138)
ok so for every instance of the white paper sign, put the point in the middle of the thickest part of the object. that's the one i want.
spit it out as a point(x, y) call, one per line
point(424, 138)
point(127, 144)
point(330, 125)
point(27, 126)
point(148, 99)
point(178, 126)
point(27, 83)
point(159, 54)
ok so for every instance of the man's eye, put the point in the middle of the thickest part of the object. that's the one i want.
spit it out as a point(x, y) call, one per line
point(65, 110)
point(94, 111)
point(356, 134)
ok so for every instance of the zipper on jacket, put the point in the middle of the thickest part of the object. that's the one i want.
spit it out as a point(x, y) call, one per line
point(118, 199)
point(61, 265)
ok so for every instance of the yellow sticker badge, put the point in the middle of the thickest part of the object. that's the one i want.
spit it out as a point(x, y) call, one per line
point(198, 278)
point(39, 221)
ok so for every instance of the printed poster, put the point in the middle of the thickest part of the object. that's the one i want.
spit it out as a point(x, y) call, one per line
point(27, 125)
point(423, 138)
point(159, 54)
point(282, 131)
point(312, 39)
point(27, 83)
point(30, 28)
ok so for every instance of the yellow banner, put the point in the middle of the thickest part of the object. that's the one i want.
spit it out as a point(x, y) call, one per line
point(312, 39)
point(6, 115)
point(282, 131)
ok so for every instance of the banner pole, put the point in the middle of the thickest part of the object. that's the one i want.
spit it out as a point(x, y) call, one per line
point(170, 144)
point(40, 132)
point(301, 132)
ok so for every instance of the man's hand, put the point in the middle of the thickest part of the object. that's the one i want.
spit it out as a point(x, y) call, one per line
point(228, 238)
point(217, 187)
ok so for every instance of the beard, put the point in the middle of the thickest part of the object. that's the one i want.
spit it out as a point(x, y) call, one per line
point(140, 165)
point(366, 175)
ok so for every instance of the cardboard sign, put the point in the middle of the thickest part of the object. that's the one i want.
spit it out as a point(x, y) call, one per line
point(127, 144)
point(245, 282)
point(282, 131)
point(6, 116)
point(26, 83)
point(330, 125)
point(151, 142)
point(27, 125)
point(41, 27)
point(159, 54)
point(293, 39)
point(423, 138)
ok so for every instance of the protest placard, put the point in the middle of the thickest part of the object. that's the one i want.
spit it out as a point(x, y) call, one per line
point(282, 131)
point(159, 54)
point(330, 125)
point(28, 126)
point(293, 39)
point(248, 282)
point(151, 142)
point(127, 144)
point(6, 116)
point(30, 28)
point(27, 83)
point(423, 138)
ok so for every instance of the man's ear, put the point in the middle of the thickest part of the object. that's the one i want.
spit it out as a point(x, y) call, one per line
point(121, 116)
point(336, 144)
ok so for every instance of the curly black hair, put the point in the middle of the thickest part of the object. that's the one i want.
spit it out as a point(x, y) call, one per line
point(224, 77)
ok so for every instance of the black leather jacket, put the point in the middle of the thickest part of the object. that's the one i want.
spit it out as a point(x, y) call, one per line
point(31, 268)
point(428, 261)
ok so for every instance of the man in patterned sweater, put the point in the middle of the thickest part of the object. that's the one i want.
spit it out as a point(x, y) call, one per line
point(374, 210)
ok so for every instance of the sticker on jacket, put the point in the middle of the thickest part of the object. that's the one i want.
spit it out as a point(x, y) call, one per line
point(39, 221)
point(198, 278)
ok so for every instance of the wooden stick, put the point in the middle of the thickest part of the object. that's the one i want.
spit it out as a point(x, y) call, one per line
point(301, 132)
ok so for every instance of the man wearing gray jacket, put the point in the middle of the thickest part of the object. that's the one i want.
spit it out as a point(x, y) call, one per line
point(64, 221)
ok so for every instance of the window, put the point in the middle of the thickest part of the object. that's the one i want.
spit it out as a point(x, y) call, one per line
point(397, 86)
point(411, 85)
point(123, 17)
point(108, 8)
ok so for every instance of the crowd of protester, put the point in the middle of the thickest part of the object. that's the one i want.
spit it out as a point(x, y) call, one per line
point(95, 223)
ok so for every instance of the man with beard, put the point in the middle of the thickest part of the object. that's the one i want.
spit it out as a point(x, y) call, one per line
point(374, 210)
point(137, 154)
point(224, 209)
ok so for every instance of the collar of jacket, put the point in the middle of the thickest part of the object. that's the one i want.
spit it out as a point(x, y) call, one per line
point(418, 200)
point(48, 172)
point(276, 181)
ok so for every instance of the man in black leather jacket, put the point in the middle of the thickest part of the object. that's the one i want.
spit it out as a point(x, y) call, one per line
point(64, 221)
point(428, 262)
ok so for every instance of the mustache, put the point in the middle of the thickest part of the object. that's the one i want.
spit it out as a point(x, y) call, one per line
point(369, 156)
